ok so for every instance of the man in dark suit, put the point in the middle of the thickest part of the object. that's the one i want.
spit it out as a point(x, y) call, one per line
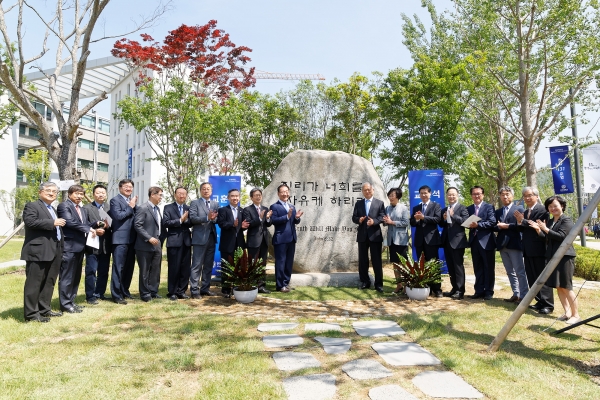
point(534, 248)
point(284, 216)
point(97, 261)
point(42, 252)
point(258, 218)
point(508, 243)
point(483, 245)
point(122, 211)
point(203, 216)
point(76, 229)
point(454, 241)
point(148, 225)
point(425, 218)
point(369, 213)
point(179, 244)
point(230, 219)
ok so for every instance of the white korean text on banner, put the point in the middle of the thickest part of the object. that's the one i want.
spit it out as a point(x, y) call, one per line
point(591, 168)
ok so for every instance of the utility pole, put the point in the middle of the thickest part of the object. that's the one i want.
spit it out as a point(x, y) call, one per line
point(577, 171)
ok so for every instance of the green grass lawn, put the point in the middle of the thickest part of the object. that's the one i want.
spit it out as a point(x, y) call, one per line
point(11, 250)
point(165, 349)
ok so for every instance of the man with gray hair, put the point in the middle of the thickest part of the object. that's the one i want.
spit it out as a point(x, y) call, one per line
point(509, 244)
point(42, 252)
point(534, 248)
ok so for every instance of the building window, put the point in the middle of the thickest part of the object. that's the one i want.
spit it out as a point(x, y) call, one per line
point(22, 129)
point(102, 147)
point(85, 144)
point(143, 162)
point(104, 125)
point(33, 133)
point(102, 167)
point(39, 107)
point(20, 153)
point(88, 121)
point(85, 164)
point(20, 176)
point(118, 147)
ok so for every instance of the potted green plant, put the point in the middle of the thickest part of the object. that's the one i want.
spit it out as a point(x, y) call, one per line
point(243, 273)
point(416, 276)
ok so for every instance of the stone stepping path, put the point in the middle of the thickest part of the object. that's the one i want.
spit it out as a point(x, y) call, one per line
point(445, 384)
point(310, 387)
point(276, 326)
point(404, 354)
point(390, 392)
point(291, 361)
point(377, 328)
point(334, 345)
point(275, 341)
point(366, 369)
point(322, 327)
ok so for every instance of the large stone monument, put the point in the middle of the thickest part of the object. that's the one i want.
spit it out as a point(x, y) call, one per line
point(325, 185)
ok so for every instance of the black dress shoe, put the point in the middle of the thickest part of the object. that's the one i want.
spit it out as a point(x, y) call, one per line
point(79, 306)
point(207, 293)
point(92, 302)
point(364, 286)
point(38, 319)
point(534, 307)
point(477, 296)
point(120, 301)
point(449, 294)
point(457, 296)
point(284, 289)
point(487, 297)
point(545, 310)
point(146, 299)
point(379, 289)
point(52, 314)
point(172, 297)
point(513, 299)
point(196, 297)
point(72, 310)
point(183, 296)
point(104, 298)
point(262, 289)
point(157, 296)
point(438, 294)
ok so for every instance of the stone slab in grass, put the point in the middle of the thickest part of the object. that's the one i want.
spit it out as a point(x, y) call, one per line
point(276, 326)
point(322, 327)
point(291, 361)
point(390, 392)
point(377, 328)
point(282, 341)
point(365, 369)
point(310, 387)
point(334, 345)
point(403, 354)
point(446, 385)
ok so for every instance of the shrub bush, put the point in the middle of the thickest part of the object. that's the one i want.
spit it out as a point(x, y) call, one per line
point(587, 263)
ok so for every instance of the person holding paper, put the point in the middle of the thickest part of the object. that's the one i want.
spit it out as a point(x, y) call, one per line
point(425, 218)
point(97, 260)
point(454, 241)
point(77, 228)
point(483, 245)
point(508, 243)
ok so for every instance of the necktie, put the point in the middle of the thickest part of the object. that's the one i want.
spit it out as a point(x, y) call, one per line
point(258, 211)
point(54, 217)
point(448, 218)
point(78, 212)
point(477, 210)
point(181, 211)
point(207, 204)
point(367, 206)
point(423, 208)
point(235, 212)
point(505, 213)
point(157, 218)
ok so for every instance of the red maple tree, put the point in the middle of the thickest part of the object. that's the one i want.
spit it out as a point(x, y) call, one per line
point(205, 51)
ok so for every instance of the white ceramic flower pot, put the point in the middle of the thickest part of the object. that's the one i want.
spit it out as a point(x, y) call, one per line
point(417, 293)
point(245, 296)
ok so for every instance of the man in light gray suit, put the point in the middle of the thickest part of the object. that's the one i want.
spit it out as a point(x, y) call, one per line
point(203, 216)
point(148, 243)
point(397, 219)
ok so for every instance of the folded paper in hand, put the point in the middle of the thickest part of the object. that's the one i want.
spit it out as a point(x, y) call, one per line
point(472, 218)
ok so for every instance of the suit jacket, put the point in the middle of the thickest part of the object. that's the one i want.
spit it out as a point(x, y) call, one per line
point(146, 224)
point(285, 231)
point(376, 212)
point(94, 217)
point(556, 235)
point(454, 234)
point(533, 244)
point(202, 227)
point(231, 237)
point(76, 229)
point(508, 238)
point(398, 233)
point(122, 220)
point(40, 242)
point(427, 229)
point(484, 233)
point(257, 231)
point(178, 233)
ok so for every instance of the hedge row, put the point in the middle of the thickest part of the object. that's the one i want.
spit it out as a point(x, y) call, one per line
point(587, 263)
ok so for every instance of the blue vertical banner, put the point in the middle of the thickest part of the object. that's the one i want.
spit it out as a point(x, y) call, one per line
point(433, 178)
point(221, 184)
point(129, 163)
point(561, 169)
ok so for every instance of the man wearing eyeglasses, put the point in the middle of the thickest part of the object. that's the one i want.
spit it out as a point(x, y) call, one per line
point(42, 252)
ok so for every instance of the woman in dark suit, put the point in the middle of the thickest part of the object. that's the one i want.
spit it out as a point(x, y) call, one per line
point(562, 277)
